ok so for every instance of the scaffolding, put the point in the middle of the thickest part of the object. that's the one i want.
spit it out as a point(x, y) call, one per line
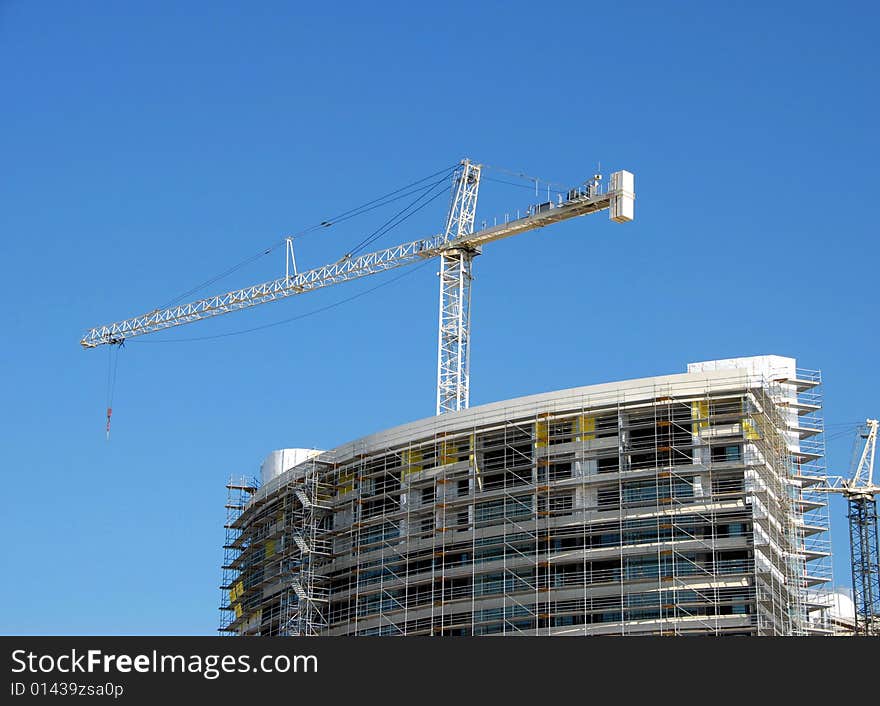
point(239, 491)
point(675, 509)
point(802, 408)
point(307, 548)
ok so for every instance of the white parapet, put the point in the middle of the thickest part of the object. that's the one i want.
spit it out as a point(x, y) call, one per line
point(769, 367)
point(277, 462)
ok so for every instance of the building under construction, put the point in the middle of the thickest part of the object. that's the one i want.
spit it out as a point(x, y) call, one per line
point(677, 504)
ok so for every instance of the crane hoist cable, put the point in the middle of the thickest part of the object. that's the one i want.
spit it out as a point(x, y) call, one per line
point(522, 175)
point(112, 370)
point(400, 216)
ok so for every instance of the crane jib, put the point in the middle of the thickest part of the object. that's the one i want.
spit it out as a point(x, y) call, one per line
point(578, 203)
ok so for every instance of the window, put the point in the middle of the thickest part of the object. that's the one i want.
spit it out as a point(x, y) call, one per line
point(727, 484)
point(561, 502)
point(726, 454)
point(650, 491)
point(557, 470)
point(642, 567)
point(640, 491)
point(560, 432)
point(606, 426)
point(494, 511)
point(377, 507)
point(734, 529)
point(608, 496)
point(609, 464)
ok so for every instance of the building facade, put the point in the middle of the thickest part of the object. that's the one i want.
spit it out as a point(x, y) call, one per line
point(668, 505)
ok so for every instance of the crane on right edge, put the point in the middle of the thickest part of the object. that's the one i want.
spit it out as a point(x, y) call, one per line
point(861, 496)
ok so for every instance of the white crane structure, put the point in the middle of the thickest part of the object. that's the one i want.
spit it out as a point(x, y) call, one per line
point(456, 246)
point(861, 492)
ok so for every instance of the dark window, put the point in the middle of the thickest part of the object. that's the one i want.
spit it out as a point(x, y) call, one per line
point(726, 484)
point(608, 496)
point(726, 454)
point(609, 464)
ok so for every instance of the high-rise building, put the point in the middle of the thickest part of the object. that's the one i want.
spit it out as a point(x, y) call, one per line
point(667, 505)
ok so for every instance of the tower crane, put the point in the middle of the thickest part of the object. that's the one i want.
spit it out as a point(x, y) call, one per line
point(860, 493)
point(456, 246)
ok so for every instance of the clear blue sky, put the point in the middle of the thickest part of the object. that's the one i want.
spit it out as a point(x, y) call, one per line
point(148, 146)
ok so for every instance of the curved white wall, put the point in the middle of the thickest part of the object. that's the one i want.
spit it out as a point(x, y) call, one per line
point(283, 460)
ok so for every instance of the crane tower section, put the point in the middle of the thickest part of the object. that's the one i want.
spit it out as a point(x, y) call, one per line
point(453, 346)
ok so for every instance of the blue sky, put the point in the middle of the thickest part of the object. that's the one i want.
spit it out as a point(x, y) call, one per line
point(148, 146)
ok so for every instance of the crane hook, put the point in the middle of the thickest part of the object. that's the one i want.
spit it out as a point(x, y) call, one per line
point(112, 366)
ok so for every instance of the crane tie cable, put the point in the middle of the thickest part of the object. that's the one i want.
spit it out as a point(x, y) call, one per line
point(390, 197)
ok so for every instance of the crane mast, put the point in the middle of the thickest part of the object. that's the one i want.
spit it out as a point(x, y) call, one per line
point(456, 264)
point(861, 496)
point(456, 246)
point(860, 493)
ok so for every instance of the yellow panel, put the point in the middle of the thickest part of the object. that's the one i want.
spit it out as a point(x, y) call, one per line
point(750, 430)
point(239, 589)
point(235, 592)
point(448, 452)
point(542, 434)
point(238, 611)
point(585, 428)
point(346, 482)
point(699, 411)
point(412, 462)
point(270, 547)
